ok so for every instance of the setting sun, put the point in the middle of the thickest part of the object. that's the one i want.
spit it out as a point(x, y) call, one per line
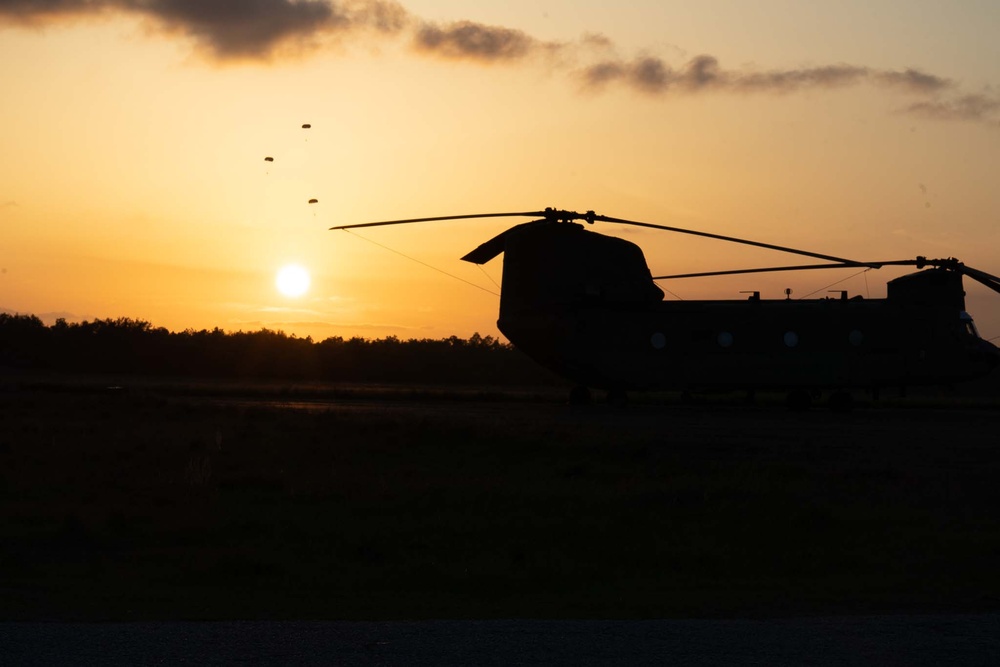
point(292, 280)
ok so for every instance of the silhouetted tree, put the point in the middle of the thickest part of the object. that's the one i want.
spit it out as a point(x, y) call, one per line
point(131, 346)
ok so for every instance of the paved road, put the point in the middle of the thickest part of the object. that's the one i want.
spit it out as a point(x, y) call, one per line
point(876, 640)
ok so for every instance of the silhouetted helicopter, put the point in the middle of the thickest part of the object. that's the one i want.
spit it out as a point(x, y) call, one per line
point(585, 305)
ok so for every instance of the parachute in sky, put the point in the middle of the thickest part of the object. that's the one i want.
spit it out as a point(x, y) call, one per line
point(306, 126)
point(313, 201)
point(269, 159)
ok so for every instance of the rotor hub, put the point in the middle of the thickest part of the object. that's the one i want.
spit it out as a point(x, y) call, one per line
point(560, 215)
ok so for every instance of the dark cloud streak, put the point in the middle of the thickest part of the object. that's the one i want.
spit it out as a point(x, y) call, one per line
point(227, 29)
point(913, 81)
point(786, 81)
point(234, 28)
point(32, 12)
point(974, 107)
point(651, 74)
point(474, 41)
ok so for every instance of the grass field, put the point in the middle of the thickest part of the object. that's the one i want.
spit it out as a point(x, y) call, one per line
point(392, 503)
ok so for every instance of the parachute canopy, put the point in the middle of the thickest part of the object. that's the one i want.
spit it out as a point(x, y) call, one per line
point(306, 126)
point(313, 201)
point(269, 159)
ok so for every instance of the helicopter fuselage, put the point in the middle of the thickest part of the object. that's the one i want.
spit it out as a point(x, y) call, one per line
point(753, 344)
point(584, 305)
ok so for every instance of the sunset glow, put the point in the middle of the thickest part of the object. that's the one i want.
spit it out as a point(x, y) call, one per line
point(292, 280)
point(134, 181)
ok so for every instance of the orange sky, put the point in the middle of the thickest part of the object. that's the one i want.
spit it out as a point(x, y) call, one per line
point(133, 180)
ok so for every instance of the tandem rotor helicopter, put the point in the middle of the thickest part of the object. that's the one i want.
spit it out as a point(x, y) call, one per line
point(585, 306)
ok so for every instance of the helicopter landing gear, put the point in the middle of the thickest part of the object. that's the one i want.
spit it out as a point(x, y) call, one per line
point(617, 398)
point(841, 401)
point(798, 400)
point(579, 395)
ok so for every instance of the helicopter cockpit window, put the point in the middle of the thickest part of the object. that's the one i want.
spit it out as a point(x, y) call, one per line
point(968, 324)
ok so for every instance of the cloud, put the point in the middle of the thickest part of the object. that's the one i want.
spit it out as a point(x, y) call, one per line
point(913, 81)
point(232, 28)
point(651, 74)
point(261, 30)
point(36, 11)
point(785, 81)
point(474, 41)
point(227, 29)
point(255, 29)
point(974, 107)
point(596, 40)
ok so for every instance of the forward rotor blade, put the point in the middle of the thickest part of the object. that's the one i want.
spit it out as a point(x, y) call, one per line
point(492, 247)
point(443, 217)
point(554, 215)
point(731, 239)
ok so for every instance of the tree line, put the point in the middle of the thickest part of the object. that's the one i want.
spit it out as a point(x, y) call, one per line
point(131, 346)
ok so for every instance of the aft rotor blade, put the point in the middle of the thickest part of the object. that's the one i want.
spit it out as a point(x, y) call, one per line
point(731, 239)
point(733, 272)
point(982, 277)
point(987, 279)
point(443, 217)
point(919, 262)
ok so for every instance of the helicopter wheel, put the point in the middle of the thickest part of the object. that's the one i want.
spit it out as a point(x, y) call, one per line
point(841, 401)
point(579, 395)
point(798, 400)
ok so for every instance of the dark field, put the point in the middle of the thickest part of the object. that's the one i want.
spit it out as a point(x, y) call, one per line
point(389, 503)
